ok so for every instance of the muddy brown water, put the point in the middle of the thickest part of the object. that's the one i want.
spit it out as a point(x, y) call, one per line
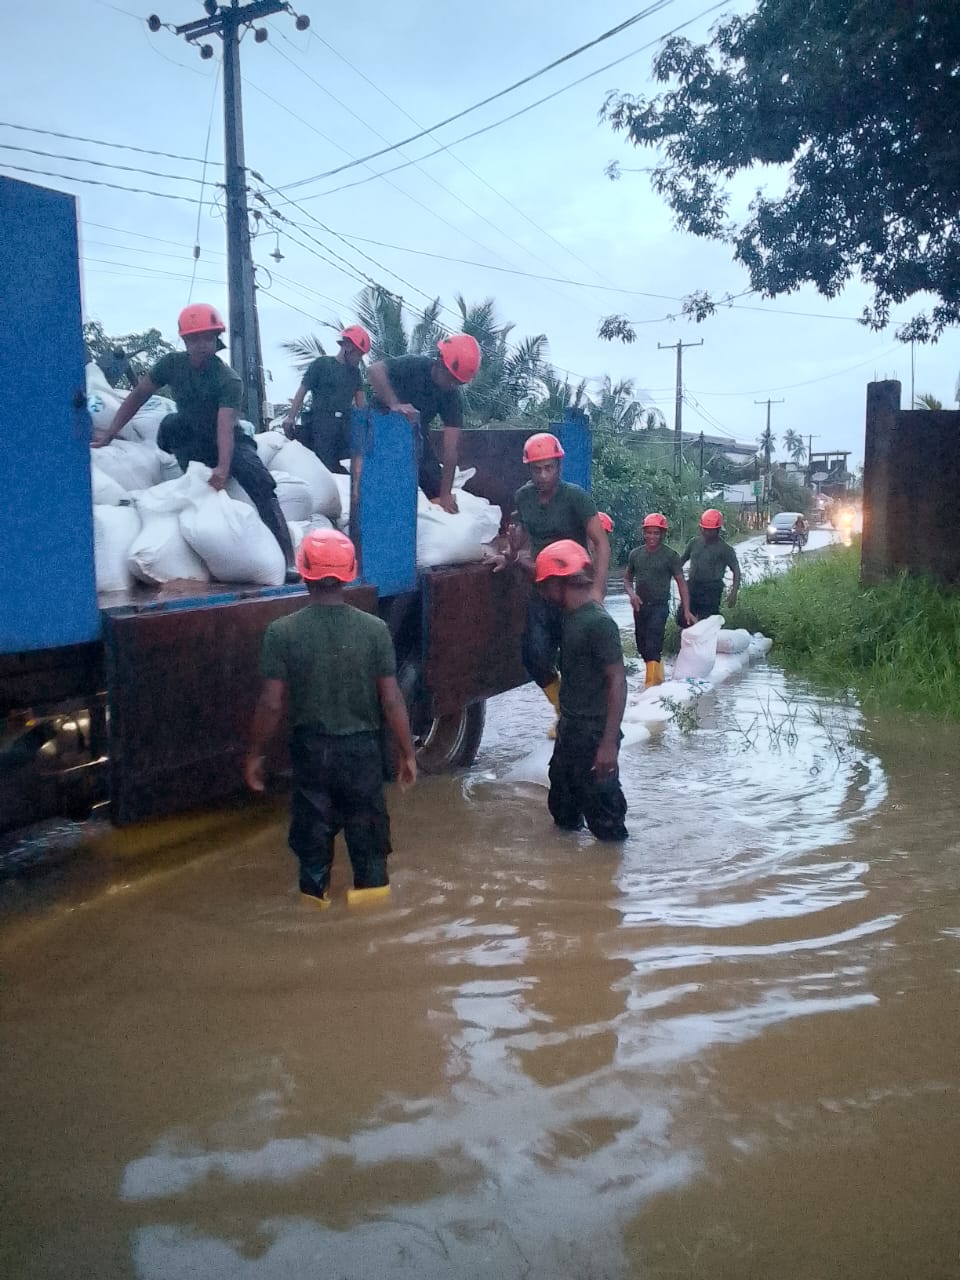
point(728, 1049)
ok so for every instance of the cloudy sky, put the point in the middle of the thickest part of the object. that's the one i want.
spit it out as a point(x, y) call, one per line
point(485, 216)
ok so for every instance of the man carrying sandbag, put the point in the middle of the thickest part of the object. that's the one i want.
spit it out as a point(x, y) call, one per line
point(423, 388)
point(584, 778)
point(709, 557)
point(208, 395)
point(337, 666)
point(334, 386)
point(549, 509)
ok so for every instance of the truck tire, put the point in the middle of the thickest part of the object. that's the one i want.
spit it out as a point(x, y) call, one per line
point(442, 742)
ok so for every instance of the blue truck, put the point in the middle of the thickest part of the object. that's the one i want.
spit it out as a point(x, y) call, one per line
point(141, 701)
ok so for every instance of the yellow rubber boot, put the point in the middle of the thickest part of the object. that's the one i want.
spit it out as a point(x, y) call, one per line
point(660, 672)
point(654, 674)
point(367, 897)
point(319, 900)
point(552, 691)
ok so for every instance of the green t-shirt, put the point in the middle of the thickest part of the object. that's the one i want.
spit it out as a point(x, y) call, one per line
point(199, 393)
point(330, 657)
point(332, 384)
point(652, 572)
point(590, 643)
point(709, 560)
point(564, 516)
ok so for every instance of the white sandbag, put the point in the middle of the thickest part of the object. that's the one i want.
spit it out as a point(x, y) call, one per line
point(294, 496)
point(298, 529)
point(733, 641)
point(106, 491)
point(698, 648)
point(343, 488)
point(269, 444)
point(297, 460)
point(170, 468)
point(760, 644)
point(727, 665)
point(114, 529)
point(103, 401)
point(170, 497)
point(228, 536)
point(131, 464)
point(235, 490)
point(160, 553)
point(145, 423)
point(443, 538)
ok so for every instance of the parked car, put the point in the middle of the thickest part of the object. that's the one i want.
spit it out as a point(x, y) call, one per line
point(780, 528)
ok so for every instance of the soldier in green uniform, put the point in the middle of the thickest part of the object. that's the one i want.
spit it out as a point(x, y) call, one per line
point(334, 386)
point(709, 558)
point(208, 395)
point(547, 510)
point(337, 666)
point(650, 567)
point(584, 778)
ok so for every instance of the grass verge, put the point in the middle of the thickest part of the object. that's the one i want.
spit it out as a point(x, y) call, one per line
point(897, 645)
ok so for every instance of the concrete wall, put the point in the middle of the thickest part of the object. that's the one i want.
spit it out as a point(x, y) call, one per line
point(911, 490)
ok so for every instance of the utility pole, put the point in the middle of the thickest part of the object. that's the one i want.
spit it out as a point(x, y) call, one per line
point(767, 442)
point(678, 346)
point(701, 468)
point(227, 22)
point(810, 440)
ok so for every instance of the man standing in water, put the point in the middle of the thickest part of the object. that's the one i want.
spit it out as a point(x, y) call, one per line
point(649, 570)
point(334, 386)
point(548, 509)
point(208, 395)
point(584, 778)
point(337, 666)
point(709, 558)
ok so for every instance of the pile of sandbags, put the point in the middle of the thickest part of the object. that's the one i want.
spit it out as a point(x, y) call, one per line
point(445, 539)
point(103, 401)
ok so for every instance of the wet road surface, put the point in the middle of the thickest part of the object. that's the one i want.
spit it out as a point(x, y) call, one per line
point(728, 1049)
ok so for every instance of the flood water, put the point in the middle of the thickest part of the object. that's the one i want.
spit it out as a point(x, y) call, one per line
point(729, 1049)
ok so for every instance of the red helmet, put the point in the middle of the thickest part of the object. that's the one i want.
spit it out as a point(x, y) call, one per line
point(326, 553)
point(561, 560)
point(200, 317)
point(460, 355)
point(542, 448)
point(356, 334)
point(655, 521)
point(605, 521)
point(711, 519)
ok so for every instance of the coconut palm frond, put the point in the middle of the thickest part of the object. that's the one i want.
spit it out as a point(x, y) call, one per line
point(304, 350)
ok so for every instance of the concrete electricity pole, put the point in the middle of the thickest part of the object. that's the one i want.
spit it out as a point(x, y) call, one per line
point(767, 449)
point(678, 405)
point(227, 21)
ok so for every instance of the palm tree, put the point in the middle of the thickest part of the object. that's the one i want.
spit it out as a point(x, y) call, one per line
point(617, 407)
point(305, 350)
point(928, 401)
point(793, 443)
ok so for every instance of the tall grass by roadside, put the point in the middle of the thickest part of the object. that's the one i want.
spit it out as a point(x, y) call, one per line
point(897, 645)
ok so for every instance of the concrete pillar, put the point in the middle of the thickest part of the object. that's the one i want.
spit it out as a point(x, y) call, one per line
point(877, 559)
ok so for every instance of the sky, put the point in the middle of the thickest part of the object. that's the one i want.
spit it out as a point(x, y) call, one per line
point(481, 218)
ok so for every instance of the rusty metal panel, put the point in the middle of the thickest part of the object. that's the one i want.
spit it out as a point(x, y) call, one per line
point(498, 458)
point(182, 685)
point(473, 621)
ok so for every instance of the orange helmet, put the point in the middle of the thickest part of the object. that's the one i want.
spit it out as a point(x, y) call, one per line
point(460, 355)
point(605, 521)
point(356, 334)
point(655, 521)
point(326, 553)
point(711, 519)
point(561, 560)
point(542, 448)
point(200, 317)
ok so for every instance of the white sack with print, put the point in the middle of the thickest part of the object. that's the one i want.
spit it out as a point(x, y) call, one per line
point(698, 649)
point(443, 538)
point(131, 464)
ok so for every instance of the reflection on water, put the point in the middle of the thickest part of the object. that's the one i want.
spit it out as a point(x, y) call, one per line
point(728, 1049)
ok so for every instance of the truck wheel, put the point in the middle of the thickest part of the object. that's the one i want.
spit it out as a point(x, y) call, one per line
point(442, 742)
point(451, 742)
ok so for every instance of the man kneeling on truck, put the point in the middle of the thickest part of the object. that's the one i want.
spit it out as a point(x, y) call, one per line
point(549, 509)
point(208, 394)
point(584, 780)
point(338, 668)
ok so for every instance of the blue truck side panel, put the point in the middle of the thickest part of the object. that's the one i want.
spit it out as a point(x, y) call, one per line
point(48, 593)
point(574, 434)
point(387, 503)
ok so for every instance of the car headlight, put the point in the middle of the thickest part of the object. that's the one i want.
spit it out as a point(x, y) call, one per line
point(771, 528)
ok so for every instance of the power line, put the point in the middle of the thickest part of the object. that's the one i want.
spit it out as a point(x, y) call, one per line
point(93, 182)
point(100, 142)
point(99, 164)
point(789, 386)
point(606, 35)
point(203, 179)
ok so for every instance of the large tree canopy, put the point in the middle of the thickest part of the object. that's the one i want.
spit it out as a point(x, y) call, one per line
point(861, 100)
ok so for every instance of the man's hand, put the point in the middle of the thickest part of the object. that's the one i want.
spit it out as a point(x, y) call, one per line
point(411, 413)
point(635, 601)
point(499, 562)
point(101, 443)
point(253, 773)
point(288, 425)
point(689, 618)
point(448, 502)
point(605, 761)
point(732, 598)
point(406, 772)
point(218, 478)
